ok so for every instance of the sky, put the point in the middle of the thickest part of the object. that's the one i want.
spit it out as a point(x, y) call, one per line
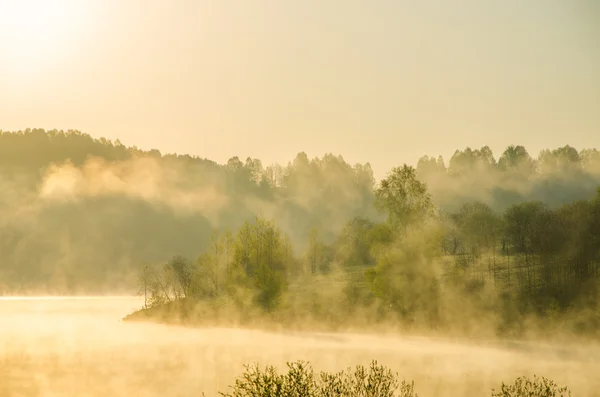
point(383, 82)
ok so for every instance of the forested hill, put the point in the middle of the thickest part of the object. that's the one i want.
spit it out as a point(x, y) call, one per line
point(79, 214)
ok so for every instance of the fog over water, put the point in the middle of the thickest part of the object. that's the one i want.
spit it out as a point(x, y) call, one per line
point(80, 346)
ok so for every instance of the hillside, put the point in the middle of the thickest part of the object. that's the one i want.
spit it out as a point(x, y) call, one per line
point(81, 215)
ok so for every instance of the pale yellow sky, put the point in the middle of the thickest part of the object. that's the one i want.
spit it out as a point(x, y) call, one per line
point(380, 81)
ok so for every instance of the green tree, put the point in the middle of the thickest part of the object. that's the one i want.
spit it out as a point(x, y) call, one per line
point(318, 256)
point(478, 227)
point(403, 198)
point(183, 273)
point(261, 253)
point(516, 159)
point(357, 240)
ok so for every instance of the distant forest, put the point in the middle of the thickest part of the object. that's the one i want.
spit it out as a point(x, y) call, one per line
point(82, 215)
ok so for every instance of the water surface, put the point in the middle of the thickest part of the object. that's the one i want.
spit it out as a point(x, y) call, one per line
point(79, 346)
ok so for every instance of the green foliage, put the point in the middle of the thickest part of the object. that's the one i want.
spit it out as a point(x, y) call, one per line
point(270, 285)
point(318, 254)
point(205, 277)
point(404, 280)
point(403, 197)
point(300, 381)
point(261, 253)
point(162, 284)
point(529, 261)
point(183, 272)
point(357, 241)
point(478, 227)
point(96, 208)
point(535, 387)
point(79, 213)
point(374, 381)
point(522, 222)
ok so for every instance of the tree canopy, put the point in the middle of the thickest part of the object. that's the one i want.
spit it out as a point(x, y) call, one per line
point(84, 215)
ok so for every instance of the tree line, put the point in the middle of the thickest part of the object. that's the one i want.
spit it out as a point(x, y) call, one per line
point(496, 238)
point(414, 266)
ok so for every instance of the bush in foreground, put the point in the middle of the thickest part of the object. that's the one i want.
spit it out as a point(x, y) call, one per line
point(300, 381)
point(374, 381)
point(538, 387)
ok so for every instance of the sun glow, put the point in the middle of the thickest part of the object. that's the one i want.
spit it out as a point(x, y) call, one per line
point(34, 32)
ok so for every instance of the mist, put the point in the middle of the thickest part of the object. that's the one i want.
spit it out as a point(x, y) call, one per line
point(459, 276)
point(91, 205)
point(97, 207)
point(75, 346)
point(555, 176)
point(306, 204)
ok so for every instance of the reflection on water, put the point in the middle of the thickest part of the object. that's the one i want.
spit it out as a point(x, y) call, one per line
point(80, 346)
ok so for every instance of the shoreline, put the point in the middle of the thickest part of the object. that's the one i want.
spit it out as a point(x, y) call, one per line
point(557, 343)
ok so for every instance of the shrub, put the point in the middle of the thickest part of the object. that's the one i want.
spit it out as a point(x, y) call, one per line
point(374, 381)
point(532, 388)
point(300, 381)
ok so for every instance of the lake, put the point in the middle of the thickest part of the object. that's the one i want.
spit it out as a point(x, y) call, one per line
point(79, 346)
